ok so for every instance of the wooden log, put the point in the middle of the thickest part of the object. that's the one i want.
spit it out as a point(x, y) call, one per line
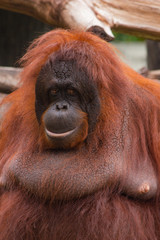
point(60, 13)
point(154, 74)
point(9, 82)
point(9, 79)
point(138, 17)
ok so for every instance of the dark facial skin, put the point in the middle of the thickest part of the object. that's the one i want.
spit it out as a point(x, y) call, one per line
point(64, 103)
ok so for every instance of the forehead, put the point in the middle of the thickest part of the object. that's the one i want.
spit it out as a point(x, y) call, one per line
point(69, 65)
point(70, 59)
point(63, 69)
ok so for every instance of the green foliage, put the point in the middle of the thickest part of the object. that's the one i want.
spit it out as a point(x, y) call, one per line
point(126, 37)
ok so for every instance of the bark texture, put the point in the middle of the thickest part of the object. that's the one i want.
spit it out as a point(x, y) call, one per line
point(139, 17)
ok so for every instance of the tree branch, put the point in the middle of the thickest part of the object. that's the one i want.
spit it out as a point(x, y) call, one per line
point(138, 17)
point(9, 79)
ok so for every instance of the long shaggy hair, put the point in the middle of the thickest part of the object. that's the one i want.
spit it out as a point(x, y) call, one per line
point(129, 120)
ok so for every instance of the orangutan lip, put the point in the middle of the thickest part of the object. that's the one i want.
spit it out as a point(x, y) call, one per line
point(53, 135)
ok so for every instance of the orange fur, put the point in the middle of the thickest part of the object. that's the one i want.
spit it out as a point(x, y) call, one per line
point(128, 127)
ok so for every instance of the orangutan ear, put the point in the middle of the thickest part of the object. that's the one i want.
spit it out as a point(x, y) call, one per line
point(99, 31)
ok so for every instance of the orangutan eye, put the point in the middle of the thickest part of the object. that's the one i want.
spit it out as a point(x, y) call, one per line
point(53, 91)
point(70, 92)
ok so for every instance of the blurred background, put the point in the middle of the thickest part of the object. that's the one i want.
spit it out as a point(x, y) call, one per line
point(17, 31)
point(133, 50)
